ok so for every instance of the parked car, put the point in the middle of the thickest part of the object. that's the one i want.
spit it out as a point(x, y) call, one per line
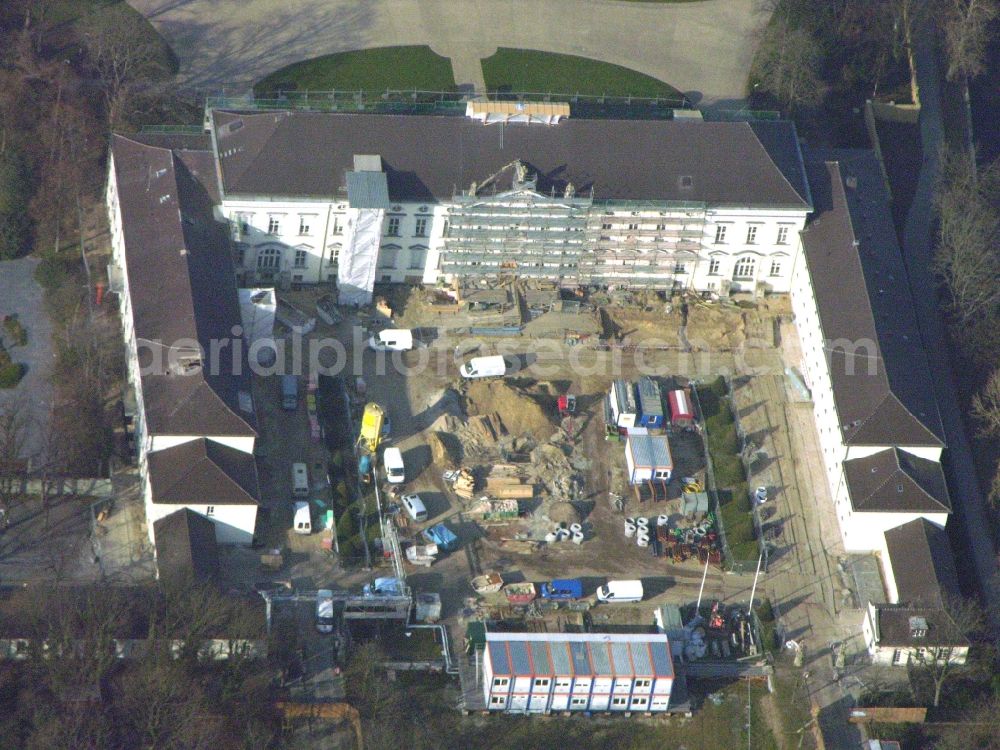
point(392, 340)
point(395, 470)
point(324, 611)
point(484, 367)
point(760, 496)
point(414, 507)
point(620, 591)
point(442, 536)
point(563, 589)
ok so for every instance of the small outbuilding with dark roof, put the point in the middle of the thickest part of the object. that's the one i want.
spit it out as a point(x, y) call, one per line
point(186, 549)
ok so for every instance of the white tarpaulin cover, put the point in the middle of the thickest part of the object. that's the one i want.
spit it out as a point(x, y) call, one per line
point(356, 270)
point(257, 308)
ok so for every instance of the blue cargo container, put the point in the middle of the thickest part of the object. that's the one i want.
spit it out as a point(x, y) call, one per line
point(563, 588)
point(650, 403)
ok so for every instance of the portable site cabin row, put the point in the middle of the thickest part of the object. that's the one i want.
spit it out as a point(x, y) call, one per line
point(648, 457)
point(542, 672)
point(650, 403)
point(621, 400)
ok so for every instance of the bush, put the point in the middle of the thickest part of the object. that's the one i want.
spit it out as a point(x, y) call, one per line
point(16, 329)
point(11, 374)
point(52, 272)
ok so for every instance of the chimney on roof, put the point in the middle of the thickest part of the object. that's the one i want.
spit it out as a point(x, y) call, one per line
point(852, 182)
point(570, 189)
point(918, 627)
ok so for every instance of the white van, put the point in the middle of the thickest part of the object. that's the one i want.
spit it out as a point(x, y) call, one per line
point(300, 480)
point(484, 367)
point(620, 591)
point(324, 611)
point(414, 507)
point(392, 340)
point(302, 520)
point(392, 460)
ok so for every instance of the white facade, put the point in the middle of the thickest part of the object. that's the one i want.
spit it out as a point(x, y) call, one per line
point(860, 531)
point(900, 655)
point(301, 240)
point(234, 524)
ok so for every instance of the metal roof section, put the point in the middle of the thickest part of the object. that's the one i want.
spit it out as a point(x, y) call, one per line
point(540, 657)
point(561, 664)
point(641, 661)
point(601, 659)
point(519, 658)
point(650, 400)
point(621, 660)
point(499, 658)
point(650, 450)
point(367, 190)
point(581, 659)
point(662, 662)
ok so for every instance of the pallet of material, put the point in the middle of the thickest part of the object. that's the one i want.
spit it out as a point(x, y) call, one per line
point(513, 491)
point(506, 481)
point(519, 546)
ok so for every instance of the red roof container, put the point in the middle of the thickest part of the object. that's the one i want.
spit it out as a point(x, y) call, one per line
point(681, 411)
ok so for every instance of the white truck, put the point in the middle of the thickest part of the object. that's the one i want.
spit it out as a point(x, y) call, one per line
point(484, 367)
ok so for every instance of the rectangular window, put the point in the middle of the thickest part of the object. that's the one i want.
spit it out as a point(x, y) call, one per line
point(643, 683)
point(720, 234)
point(562, 682)
point(713, 267)
point(500, 681)
point(639, 702)
point(578, 701)
point(541, 682)
point(680, 268)
point(337, 226)
point(619, 701)
point(418, 258)
point(421, 228)
point(661, 227)
point(334, 255)
point(210, 510)
point(751, 235)
point(605, 226)
point(744, 268)
point(775, 268)
point(244, 222)
point(498, 700)
point(782, 235)
point(633, 227)
point(273, 225)
point(304, 222)
point(393, 228)
point(300, 258)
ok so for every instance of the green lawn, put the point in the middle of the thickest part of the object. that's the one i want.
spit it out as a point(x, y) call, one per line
point(525, 70)
point(374, 69)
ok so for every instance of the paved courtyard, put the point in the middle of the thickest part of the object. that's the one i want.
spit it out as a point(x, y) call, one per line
point(701, 48)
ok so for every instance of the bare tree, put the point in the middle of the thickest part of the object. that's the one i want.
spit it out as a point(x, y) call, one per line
point(788, 65)
point(986, 406)
point(123, 57)
point(966, 26)
point(977, 730)
point(967, 257)
point(960, 619)
point(14, 424)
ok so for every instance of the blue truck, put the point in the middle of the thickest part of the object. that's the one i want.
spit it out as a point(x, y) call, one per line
point(442, 536)
point(562, 589)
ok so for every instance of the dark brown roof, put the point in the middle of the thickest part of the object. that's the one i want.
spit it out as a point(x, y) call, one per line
point(922, 563)
point(182, 286)
point(878, 369)
point(894, 627)
point(186, 547)
point(203, 472)
point(428, 158)
point(895, 481)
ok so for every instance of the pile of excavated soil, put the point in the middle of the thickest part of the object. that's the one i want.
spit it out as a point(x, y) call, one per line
point(636, 326)
point(520, 413)
point(715, 327)
point(446, 449)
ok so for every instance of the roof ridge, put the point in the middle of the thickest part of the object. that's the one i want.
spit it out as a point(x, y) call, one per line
point(226, 473)
point(805, 198)
point(186, 473)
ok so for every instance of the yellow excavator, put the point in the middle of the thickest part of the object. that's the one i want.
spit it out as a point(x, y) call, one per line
point(332, 712)
point(372, 422)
